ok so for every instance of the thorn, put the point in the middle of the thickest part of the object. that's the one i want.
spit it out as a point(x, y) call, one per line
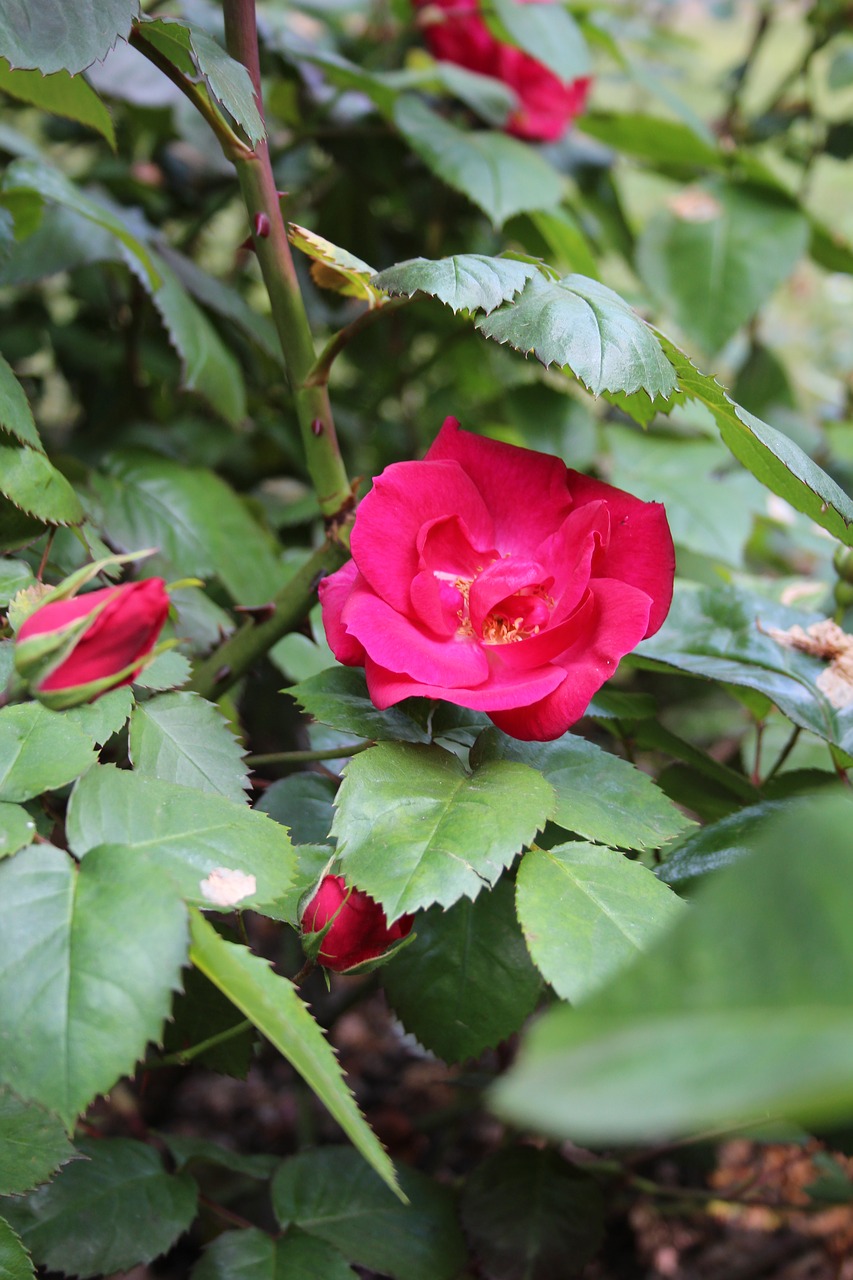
point(248, 244)
point(262, 225)
point(317, 427)
point(257, 612)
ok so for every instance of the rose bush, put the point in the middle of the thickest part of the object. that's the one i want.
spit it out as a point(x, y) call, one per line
point(359, 930)
point(496, 578)
point(72, 651)
point(455, 32)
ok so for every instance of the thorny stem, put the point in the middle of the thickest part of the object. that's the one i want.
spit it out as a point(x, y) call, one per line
point(262, 200)
point(227, 664)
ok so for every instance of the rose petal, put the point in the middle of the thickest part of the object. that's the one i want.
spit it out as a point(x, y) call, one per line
point(617, 623)
point(399, 645)
point(568, 556)
point(334, 592)
point(406, 496)
point(504, 688)
point(640, 550)
point(499, 581)
point(527, 493)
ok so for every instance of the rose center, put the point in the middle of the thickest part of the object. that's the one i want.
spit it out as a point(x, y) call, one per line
point(515, 618)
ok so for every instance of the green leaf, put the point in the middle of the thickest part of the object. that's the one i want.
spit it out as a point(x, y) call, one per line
point(587, 328)
point(33, 1144)
point(179, 737)
point(745, 1005)
point(61, 94)
point(565, 241)
point(223, 299)
point(273, 1006)
point(200, 525)
point(414, 827)
point(16, 417)
point(499, 174)
point(208, 367)
point(88, 963)
point(328, 1194)
point(109, 1212)
point(772, 457)
point(338, 268)
point(99, 720)
point(185, 1150)
point(703, 245)
point(710, 504)
point(183, 832)
point(721, 633)
point(599, 796)
point(251, 1254)
point(587, 912)
point(50, 184)
point(466, 982)
point(303, 802)
point(490, 99)
point(338, 697)
point(36, 487)
point(17, 828)
point(15, 575)
point(663, 142)
point(466, 282)
point(168, 670)
point(530, 1215)
point(15, 1262)
point(39, 751)
point(716, 845)
point(66, 37)
point(193, 52)
point(545, 31)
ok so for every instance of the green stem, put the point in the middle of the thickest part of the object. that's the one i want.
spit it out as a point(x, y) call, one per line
point(318, 375)
point(183, 1056)
point(306, 757)
point(257, 183)
point(227, 664)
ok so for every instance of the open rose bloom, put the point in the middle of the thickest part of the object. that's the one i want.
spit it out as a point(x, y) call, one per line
point(455, 32)
point(495, 578)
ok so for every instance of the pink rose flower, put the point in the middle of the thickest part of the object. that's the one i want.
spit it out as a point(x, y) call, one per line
point(496, 578)
point(359, 930)
point(547, 104)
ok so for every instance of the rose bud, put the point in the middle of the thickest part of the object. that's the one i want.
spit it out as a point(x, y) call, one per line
point(72, 651)
point(455, 32)
point(495, 578)
point(344, 929)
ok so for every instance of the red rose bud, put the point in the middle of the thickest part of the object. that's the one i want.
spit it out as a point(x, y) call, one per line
point(455, 32)
point(72, 651)
point(496, 578)
point(354, 928)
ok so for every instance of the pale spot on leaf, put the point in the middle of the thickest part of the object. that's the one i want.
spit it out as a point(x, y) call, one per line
point(695, 205)
point(225, 887)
